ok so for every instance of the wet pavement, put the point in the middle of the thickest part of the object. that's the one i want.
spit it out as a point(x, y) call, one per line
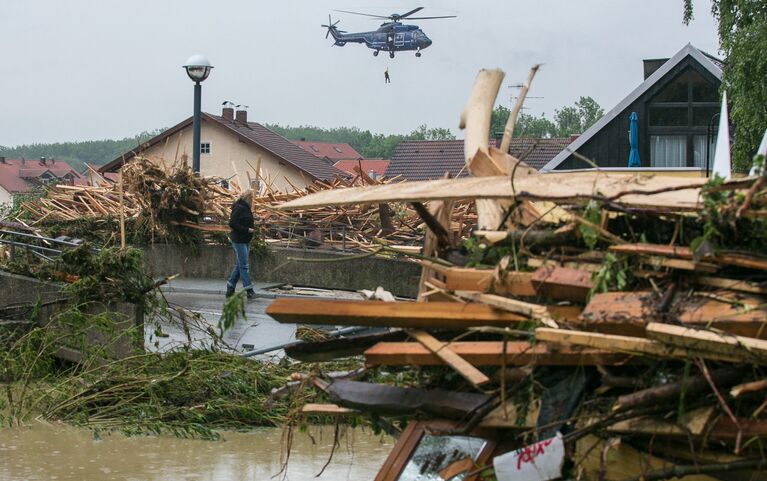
point(56, 452)
point(206, 297)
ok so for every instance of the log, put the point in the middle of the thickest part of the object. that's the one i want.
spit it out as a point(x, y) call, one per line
point(732, 259)
point(490, 353)
point(475, 119)
point(665, 393)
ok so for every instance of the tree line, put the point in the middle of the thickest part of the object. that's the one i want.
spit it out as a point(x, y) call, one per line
point(566, 121)
point(76, 154)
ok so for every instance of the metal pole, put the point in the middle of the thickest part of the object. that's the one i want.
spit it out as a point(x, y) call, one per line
point(196, 128)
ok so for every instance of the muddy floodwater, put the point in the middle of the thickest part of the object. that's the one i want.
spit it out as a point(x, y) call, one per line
point(43, 452)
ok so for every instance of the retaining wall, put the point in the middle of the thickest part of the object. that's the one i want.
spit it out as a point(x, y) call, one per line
point(215, 262)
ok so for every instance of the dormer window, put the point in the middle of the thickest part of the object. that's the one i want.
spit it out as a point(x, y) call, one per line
point(678, 120)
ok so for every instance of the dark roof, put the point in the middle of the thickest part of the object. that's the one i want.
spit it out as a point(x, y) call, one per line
point(430, 159)
point(254, 133)
point(709, 62)
point(378, 166)
point(329, 150)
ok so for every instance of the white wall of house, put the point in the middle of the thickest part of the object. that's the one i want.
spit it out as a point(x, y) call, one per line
point(6, 198)
point(227, 148)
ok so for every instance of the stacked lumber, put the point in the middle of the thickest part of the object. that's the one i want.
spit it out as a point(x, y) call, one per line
point(628, 308)
point(159, 200)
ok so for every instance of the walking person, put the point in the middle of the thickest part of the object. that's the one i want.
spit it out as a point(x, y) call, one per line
point(386, 76)
point(241, 224)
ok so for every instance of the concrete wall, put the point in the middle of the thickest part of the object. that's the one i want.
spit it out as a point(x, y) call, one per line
point(215, 262)
point(226, 148)
point(23, 291)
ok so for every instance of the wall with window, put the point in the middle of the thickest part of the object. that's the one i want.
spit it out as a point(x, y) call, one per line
point(674, 115)
point(228, 152)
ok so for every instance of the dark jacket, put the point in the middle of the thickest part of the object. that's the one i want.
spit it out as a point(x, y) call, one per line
point(240, 221)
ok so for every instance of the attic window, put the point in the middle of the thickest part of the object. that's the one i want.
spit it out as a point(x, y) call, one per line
point(205, 147)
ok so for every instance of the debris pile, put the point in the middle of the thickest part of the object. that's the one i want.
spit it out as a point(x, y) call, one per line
point(161, 203)
point(595, 326)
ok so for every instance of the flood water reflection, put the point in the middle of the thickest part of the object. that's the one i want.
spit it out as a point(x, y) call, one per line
point(43, 452)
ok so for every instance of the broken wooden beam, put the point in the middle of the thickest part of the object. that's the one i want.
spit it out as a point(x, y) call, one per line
point(691, 386)
point(745, 349)
point(561, 283)
point(626, 344)
point(628, 313)
point(442, 350)
point(315, 409)
point(491, 353)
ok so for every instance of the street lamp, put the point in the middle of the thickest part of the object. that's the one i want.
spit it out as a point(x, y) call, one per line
point(198, 69)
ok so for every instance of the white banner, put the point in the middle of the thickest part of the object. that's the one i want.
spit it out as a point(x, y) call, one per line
point(541, 461)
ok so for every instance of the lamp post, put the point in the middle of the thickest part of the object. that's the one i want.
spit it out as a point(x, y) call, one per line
point(197, 68)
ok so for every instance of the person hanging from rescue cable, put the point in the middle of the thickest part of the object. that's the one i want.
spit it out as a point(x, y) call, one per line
point(386, 76)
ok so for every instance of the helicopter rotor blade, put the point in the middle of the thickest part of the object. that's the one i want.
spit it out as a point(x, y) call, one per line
point(363, 14)
point(415, 10)
point(430, 18)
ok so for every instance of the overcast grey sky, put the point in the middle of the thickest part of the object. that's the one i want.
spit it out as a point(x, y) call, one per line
point(93, 69)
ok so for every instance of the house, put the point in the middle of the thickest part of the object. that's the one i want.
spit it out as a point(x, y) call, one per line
point(374, 168)
point(331, 152)
point(231, 147)
point(677, 106)
point(22, 176)
point(430, 159)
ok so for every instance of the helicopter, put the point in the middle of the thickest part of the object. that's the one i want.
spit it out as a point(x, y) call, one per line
point(392, 36)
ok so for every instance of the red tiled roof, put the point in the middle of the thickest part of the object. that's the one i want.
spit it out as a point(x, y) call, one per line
point(376, 165)
point(254, 133)
point(328, 150)
point(14, 175)
point(430, 159)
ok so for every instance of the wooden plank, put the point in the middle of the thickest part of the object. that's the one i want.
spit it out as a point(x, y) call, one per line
point(562, 283)
point(731, 284)
point(570, 187)
point(389, 314)
point(625, 344)
point(327, 410)
point(466, 279)
point(490, 353)
point(441, 350)
point(739, 347)
point(533, 311)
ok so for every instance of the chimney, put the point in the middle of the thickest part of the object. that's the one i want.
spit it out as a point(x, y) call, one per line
point(23, 161)
point(53, 161)
point(241, 117)
point(42, 160)
point(227, 113)
point(2, 159)
point(573, 137)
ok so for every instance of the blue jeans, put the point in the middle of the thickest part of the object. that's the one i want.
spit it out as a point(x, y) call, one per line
point(241, 269)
